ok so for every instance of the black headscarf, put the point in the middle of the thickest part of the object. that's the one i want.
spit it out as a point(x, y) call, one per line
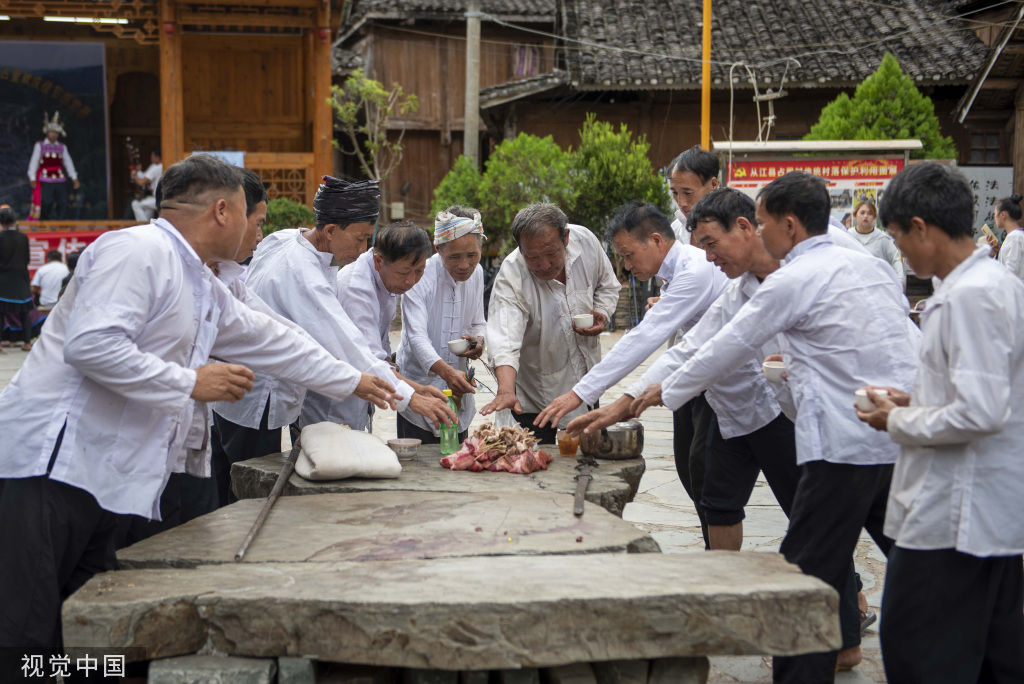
point(342, 202)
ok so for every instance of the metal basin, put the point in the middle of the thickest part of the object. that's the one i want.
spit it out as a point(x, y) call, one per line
point(619, 441)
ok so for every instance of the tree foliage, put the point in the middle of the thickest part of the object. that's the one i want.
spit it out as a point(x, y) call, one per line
point(461, 185)
point(285, 213)
point(886, 106)
point(611, 169)
point(363, 109)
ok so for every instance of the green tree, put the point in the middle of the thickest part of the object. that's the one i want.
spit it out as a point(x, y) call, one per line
point(612, 169)
point(886, 106)
point(461, 185)
point(363, 109)
point(285, 213)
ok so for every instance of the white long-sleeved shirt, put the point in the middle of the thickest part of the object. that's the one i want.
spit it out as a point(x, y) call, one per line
point(882, 246)
point(370, 307)
point(959, 478)
point(438, 309)
point(1011, 254)
point(843, 323)
point(115, 365)
point(37, 155)
point(743, 401)
point(691, 285)
point(48, 279)
point(299, 283)
point(530, 323)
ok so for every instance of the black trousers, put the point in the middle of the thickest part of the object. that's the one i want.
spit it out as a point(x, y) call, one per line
point(691, 425)
point(53, 194)
point(231, 443)
point(949, 617)
point(406, 430)
point(833, 503)
point(55, 537)
point(545, 435)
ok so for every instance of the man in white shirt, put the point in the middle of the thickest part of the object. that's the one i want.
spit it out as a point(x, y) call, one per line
point(842, 319)
point(953, 608)
point(876, 241)
point(557, 271)
point(96, 419)
point(368, 290)
point(446, 304)
point(691, 175)
point(643, 237)
point(294, 271)
point(46, 282)
point(145, 208)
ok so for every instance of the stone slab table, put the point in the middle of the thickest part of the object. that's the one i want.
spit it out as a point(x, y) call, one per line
point(614, 483)
point(464, 613)
point(367, 526)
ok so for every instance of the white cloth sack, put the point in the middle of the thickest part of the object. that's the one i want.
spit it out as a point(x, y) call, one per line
point(334, 452)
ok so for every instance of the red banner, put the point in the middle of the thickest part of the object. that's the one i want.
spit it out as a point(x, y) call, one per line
point(65, 243)
point(830, 169)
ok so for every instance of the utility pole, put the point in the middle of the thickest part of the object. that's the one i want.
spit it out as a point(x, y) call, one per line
point(471, 136)
point(705, 81)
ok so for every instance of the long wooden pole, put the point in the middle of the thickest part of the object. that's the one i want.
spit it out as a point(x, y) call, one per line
point(471, 136)
point(705, 79)
point(282, 479)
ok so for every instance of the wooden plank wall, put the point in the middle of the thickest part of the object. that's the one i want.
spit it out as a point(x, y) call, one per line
point(245, 93)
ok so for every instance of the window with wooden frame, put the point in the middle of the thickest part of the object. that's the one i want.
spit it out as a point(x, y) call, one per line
point(985, 148)
point(525, 60)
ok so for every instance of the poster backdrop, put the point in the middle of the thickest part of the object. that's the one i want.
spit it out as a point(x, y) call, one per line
point(65, 243)
point(69, 77)
point(990, 184)
point(850, 181)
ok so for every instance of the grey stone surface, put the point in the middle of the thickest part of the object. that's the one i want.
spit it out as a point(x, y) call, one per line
point(621, 672)
point(575, 673)
point(679, 671)
point(464, 613)
point(296, 671)
point(391, 526)
point(614, 483)
point(205, 669)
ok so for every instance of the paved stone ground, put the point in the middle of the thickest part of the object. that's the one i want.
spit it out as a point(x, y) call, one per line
point(663, 509)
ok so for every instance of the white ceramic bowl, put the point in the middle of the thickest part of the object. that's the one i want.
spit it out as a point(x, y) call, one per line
point(405, 448)
point(773, 370)
point(864, 402)
point(584, 321)
point(458, 346)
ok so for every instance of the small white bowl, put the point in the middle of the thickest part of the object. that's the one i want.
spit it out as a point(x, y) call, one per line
point(583, 321)
point(458, 346)
point(405, 448)
point(864, 402)
point(773, 370)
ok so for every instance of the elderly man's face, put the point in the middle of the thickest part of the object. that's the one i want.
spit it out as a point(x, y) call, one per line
point(348, 243)
point(643, 258)
point(400, 275)
point(729, 250)
point(461, 256)
point(776, 232)
point(544, 253)
point(687, 189)
point(233, 226)
point(253, 232)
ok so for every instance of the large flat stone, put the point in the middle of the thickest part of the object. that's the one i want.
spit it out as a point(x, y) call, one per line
point(614, 483)
point(464, 613)
point(391, 526)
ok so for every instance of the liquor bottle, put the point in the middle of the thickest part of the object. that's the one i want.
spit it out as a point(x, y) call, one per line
point(449, 433)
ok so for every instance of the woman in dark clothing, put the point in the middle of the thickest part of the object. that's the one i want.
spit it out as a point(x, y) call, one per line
point(15, 292)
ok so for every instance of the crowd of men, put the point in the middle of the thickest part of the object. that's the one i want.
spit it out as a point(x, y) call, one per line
point(166, 360)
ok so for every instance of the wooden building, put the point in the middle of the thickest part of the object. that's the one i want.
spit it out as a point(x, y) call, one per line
point(241, 75)
point(638, 62)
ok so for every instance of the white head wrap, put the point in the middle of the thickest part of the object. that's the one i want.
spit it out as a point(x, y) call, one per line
point(448, 227)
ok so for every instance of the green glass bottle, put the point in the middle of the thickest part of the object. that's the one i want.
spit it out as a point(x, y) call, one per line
point(449, 433)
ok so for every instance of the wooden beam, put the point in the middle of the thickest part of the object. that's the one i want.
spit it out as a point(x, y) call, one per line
point(1014, 49)
point(1001, 83)
point(172, 117)
point(322, 114)
point(1018, 150)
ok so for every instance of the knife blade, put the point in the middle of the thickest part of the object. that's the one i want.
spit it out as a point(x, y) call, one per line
point(582, 480)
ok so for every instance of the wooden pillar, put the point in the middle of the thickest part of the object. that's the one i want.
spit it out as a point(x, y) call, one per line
point(1018, 143)
point(321, 113)
point(172, 116)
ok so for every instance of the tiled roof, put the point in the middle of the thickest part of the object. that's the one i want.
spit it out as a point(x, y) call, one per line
point(835, 41)
point(456, 8)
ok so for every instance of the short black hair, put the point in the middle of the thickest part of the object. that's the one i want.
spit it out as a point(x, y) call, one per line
point(7, 217)
point(194, 176)
point(723, 205)
point(254, 190)
point(73, 259)
point(54, 255)
point(937, 194)
point(403, 239)
point(639, 219)
point(1011, 205)
point(697, 161)
point(535, 218)
point(156, 151)
point(802, 195)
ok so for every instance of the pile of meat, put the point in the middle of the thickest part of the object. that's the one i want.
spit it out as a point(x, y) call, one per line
point(508, 450)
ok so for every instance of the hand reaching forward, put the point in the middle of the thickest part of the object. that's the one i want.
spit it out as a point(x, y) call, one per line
point(558, 407)
point(222, 382)
point(503, 400)
point(650, 397)
point(376, 391)
point(601, 418)
point(434, 409)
